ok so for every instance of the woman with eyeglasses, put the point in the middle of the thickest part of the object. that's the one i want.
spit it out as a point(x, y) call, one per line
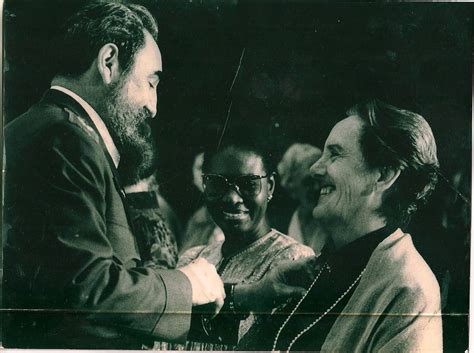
point(238, 184)
point(297, 181)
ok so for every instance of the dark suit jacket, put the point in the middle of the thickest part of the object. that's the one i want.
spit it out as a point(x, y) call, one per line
point(73, 277)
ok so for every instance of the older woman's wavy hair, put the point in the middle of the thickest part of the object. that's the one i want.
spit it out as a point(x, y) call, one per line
point(394, 138)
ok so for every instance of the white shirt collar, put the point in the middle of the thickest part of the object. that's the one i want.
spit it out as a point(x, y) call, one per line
point(98, 122)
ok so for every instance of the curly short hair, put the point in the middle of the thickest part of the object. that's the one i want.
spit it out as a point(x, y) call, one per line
point(97, 24)
point(241, 140)
point(295, 164)
point(394, 138)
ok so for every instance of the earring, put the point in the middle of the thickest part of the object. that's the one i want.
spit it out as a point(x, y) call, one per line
point(269, 197)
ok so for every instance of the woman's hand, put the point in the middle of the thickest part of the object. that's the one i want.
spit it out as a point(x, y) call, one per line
point(288, 280)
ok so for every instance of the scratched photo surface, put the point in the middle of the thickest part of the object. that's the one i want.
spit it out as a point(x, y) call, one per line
point(287, 71)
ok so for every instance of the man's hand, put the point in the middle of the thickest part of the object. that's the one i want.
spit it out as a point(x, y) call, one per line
point(290, 279)
point(206, 284)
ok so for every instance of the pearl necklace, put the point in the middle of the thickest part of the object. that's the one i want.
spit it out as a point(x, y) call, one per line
point(302, 332)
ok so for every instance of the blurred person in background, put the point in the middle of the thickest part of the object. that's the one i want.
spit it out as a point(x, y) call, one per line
point(201, 228)
point(456, 221)
point(155, 224)
point(298, 182)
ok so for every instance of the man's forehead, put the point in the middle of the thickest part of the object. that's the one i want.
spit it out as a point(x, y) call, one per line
point(148, 57)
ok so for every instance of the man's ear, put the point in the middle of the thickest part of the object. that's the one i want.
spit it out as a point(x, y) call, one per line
point(108, 63)
point(387, 177)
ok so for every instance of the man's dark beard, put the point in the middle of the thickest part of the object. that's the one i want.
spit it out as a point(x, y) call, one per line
point(137, 161)
point(131, 133)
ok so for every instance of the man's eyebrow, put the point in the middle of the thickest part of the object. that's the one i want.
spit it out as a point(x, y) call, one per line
point(157, 73)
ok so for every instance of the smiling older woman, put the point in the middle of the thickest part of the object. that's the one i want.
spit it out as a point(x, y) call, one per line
point(373, 291)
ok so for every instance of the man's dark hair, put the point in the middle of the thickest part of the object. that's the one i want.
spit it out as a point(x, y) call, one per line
point(394, 138)
point(97, 24)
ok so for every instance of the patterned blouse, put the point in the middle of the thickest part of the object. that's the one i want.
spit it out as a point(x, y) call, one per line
point(156, 242)
point(246, 266)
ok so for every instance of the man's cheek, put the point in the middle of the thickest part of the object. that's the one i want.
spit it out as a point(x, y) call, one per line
point(132, 92)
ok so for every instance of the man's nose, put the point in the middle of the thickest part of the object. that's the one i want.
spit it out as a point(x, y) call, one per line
point(151, 105)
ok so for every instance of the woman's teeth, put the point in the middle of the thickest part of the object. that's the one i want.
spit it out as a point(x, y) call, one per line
point(235, 214)
point(326, 190)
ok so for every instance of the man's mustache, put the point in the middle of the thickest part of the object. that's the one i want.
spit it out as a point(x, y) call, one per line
point(141, 124)
point(144, 128)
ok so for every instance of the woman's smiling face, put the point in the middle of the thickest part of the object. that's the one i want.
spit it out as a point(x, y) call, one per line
point(346, 181)
point(237, 212)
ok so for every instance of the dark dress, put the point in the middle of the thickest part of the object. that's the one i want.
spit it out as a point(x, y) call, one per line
point(338, 271)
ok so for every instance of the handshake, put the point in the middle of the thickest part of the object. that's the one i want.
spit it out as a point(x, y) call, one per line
point(287, 280)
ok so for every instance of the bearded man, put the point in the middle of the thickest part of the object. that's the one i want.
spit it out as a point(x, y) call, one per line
point(73, 276)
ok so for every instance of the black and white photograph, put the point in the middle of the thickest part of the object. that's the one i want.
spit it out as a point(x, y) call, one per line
point(236, 175)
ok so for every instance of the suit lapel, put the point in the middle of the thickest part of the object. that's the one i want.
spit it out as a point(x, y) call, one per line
point(54, 96)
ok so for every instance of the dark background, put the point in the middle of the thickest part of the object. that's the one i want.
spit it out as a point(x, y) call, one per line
point(304, 65)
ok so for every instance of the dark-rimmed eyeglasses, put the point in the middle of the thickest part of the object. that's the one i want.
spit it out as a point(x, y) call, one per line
point(216, 185)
